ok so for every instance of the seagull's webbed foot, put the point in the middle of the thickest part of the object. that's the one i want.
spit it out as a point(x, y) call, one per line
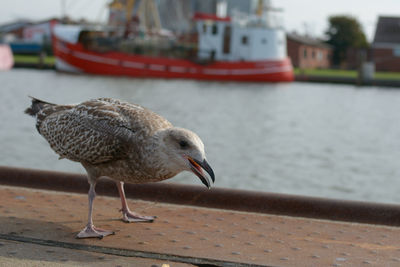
point(129, 216)
point(92, 231)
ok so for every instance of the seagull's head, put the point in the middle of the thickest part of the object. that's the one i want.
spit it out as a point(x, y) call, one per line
point(185, 152)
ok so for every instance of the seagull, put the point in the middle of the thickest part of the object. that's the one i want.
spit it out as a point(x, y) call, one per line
point(122, 141)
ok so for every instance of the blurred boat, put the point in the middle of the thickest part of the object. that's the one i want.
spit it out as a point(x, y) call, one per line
point(6, 57)
point(27, 48)
point(220, 48)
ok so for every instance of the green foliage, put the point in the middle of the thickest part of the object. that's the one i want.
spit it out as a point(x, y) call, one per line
point(345, 73)
point(327, 72)
point(344, 32)
point(387, 75)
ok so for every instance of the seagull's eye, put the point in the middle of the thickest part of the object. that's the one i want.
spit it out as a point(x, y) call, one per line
point(183, 144)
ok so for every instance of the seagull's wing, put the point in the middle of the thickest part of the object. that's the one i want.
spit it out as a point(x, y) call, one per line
point(140, 119)
point(94, 132)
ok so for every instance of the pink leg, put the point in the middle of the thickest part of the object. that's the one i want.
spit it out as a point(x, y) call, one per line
point(127, 215)
point(90, 230)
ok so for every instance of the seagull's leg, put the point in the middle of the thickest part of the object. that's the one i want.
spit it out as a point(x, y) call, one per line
point(90, 230)
point(127, 215)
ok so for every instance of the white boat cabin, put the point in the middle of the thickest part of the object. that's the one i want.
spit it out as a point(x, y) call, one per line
point(223, 40)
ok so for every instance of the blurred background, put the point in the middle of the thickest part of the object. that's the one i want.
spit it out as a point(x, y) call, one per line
point(295, 97)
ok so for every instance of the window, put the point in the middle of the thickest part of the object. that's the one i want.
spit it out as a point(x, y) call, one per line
point(396, 51)
point(245, 40)
point(226, 46)
point(305, 52)
point(320, 56)
point(212, 55)
point(204, 28)
point(214, 29)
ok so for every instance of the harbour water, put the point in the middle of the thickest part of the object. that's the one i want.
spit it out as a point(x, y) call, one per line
point(332, 141)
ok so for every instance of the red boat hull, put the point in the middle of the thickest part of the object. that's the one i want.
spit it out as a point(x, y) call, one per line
point(122, 64)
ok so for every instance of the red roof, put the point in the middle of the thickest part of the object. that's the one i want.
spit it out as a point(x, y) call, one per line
point(205, 16)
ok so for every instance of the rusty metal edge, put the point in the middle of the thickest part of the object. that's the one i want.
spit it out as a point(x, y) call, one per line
point(220, 198)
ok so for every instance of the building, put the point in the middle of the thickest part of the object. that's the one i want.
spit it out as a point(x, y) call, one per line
point(308, 53)
point(13, 31)
point(26, 31)
point(26, 37)
point(39, 32)
point(386, 44)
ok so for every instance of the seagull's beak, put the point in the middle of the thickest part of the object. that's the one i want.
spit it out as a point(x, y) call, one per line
point(197, 168)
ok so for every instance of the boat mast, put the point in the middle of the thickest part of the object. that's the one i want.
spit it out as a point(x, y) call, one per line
point(149, 16)
point(136, 15)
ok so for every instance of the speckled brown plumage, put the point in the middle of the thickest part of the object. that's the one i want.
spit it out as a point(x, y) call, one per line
point(123, 141)
point(103, 134)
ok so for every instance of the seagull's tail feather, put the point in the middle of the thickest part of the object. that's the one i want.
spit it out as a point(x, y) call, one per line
point(36, 106)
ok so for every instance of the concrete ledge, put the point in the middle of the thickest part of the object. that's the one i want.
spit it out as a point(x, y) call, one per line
point(40, 226)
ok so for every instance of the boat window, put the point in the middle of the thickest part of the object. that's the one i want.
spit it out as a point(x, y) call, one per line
point(212, 55)
point(226, 46)
point(245, 40)
point(214, 29)
point(204, 28)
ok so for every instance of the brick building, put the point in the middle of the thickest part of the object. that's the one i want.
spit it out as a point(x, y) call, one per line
point(386, 44)
point(308, 53)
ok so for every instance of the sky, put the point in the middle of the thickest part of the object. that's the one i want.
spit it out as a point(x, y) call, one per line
point(302, 16)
